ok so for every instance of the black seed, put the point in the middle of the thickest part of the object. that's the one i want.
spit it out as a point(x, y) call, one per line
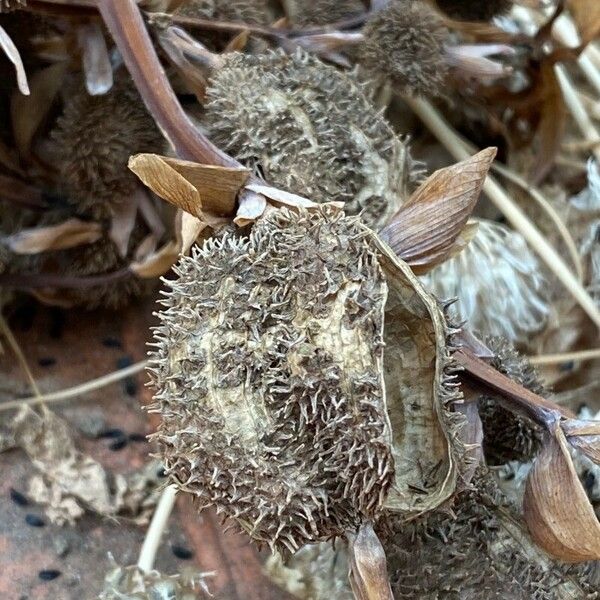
point(49, 574)
point(182, 552)
point(34, 520)
point(589, 479)
point(567, 366)
point(57, 323)
point(112, 342)
point(161, 472)
point(46, 361)
point(118, 444)
point(124, 361)
point(112, 433)
point(18, 498)
point(137, 437)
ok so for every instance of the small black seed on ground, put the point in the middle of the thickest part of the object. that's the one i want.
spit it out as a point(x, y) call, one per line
point(57, 323)
point(124, 361)
point(589, 480)
point(18, 498)
point(161, 472)
point(130, 386)
point(48, 574)
point(34, 520)
point(118, 444)
point(112, 433)
point(567, 366)
point(137, 437)
point(46, 361)
point(182, 552)
point(112, 342)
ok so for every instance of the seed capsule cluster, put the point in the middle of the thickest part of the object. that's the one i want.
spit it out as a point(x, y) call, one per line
point(310, 129)
point(268, 366)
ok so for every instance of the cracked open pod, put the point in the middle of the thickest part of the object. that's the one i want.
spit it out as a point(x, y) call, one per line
point(302, 377)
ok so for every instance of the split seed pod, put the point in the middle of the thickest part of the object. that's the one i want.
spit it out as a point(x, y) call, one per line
point(95, 137)
point(304, 13)
point(311, 130)
point(474, 10)
point(274, 387)
point(405, 42)
point(499, 284)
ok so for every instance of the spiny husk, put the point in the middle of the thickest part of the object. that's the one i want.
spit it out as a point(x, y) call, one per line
point(247, 11)
point(95, 136)
point(499, 283)
point(310, 129)
point(405, 42)
point(272, 381)
point(480, 550)
point(474, 10)
point(506, 435)
point(304, 13)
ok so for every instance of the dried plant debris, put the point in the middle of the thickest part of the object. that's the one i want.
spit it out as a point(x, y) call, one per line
point(310, 129)
point(247, 11)
point(280, 324)
point(95, 136)
point(474, 10)
point(499, 283)
point(405, 42)
point(305, 13)
point(9, 5)
point(484, 550)
point(69, 482)
point(506, 435)
point(130, 583)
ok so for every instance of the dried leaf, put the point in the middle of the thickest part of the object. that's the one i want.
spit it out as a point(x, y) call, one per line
point(252, 206)
point(584, 436)
point(425, 229)
point(551, 124)
point(96, 61)
point(187, 229)
point(281, 198)
point(586, 14)
point(368, 568)
point(69, 234)
point(28, 112)
point(557, 511)
point(15, 58)
point(208, 192)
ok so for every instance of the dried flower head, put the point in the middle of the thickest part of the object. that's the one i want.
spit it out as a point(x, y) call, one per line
point(311, 130)
point(507, 436)
point(474, 10)
point(95, 137)
point(9, 5)
point(273, 384)
point(247, 11)
point(499, 284)
point(304, 13)
point(405, 42)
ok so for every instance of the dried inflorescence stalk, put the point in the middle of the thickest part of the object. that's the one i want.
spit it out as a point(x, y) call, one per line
point(405, 42)
point(499, 284)
point(247, 11)
point(474, 10)
point(506, 435)
point(95, 137)
point(305, 13)
point(311, 130)
point(274, 389)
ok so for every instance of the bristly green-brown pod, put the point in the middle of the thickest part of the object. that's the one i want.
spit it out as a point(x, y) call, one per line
point(311, 130)
point(278, 359)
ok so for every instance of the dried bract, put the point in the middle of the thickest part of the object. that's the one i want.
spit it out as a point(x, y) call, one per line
point(304, 13)
point(474, 10)
point(405, 42)
point(311, 130)
point(95, 137)
point(499, 284)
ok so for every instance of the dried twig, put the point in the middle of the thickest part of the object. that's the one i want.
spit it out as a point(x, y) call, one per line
point(564, 357)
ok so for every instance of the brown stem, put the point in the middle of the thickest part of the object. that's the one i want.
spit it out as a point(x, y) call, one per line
point(37, 281)
point(125, 23)
point(515, 397)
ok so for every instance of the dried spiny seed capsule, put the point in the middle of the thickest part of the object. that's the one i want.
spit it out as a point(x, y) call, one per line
point(507, 436)
point(95, 137)
point(311, 130)
point(272, 380)
point(8, 5)
point(248, 11)
point(474, 10)
point(499, 284)
point(304, 13)
point(405, 42)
